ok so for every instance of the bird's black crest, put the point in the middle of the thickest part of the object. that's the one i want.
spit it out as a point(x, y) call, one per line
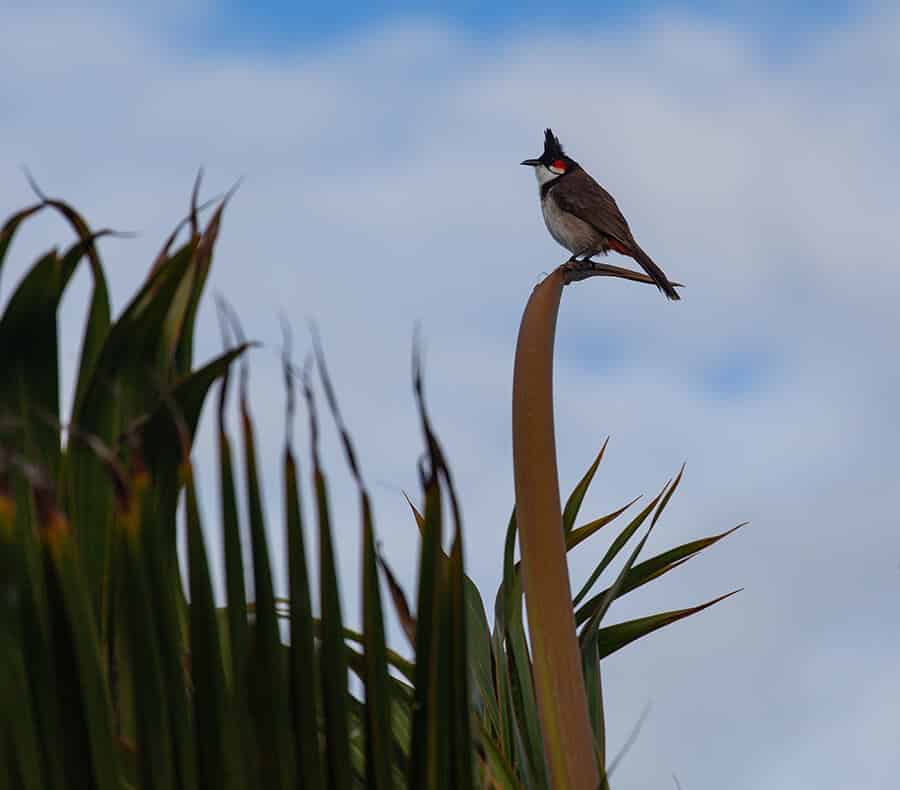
point(552, 147)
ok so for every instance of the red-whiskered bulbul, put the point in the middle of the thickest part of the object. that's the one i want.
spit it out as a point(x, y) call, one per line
point(582, 216)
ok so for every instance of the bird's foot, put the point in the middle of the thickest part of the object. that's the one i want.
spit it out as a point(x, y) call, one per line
point(576, 264)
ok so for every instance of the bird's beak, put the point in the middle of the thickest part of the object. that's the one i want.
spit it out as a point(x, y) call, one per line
point(531, 162)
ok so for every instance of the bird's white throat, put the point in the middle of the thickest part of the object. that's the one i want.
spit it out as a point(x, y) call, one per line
point(544, 174)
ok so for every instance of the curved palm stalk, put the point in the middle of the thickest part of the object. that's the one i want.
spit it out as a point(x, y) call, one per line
point(558, 678)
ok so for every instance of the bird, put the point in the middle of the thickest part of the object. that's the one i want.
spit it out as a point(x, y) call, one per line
point(582, 216)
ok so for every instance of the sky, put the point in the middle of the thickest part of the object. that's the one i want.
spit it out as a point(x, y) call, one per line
point(755, 154)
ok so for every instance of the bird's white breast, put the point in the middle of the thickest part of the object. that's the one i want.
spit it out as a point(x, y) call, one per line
point(577, 236)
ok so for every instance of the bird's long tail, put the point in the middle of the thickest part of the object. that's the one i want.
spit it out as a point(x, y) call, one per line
point(654, 272)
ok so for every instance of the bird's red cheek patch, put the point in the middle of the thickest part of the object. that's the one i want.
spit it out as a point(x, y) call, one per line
point(559, 166)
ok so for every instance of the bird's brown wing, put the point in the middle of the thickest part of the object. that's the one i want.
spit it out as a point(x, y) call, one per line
point(580, 195)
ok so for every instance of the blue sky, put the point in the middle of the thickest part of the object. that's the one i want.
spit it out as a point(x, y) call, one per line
point(755, 154)
point(282, 23)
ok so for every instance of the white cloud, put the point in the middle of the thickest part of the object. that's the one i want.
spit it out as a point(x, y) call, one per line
point(382, 188)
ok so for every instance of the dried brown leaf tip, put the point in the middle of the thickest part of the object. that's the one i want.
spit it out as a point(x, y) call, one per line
point(401, 605)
